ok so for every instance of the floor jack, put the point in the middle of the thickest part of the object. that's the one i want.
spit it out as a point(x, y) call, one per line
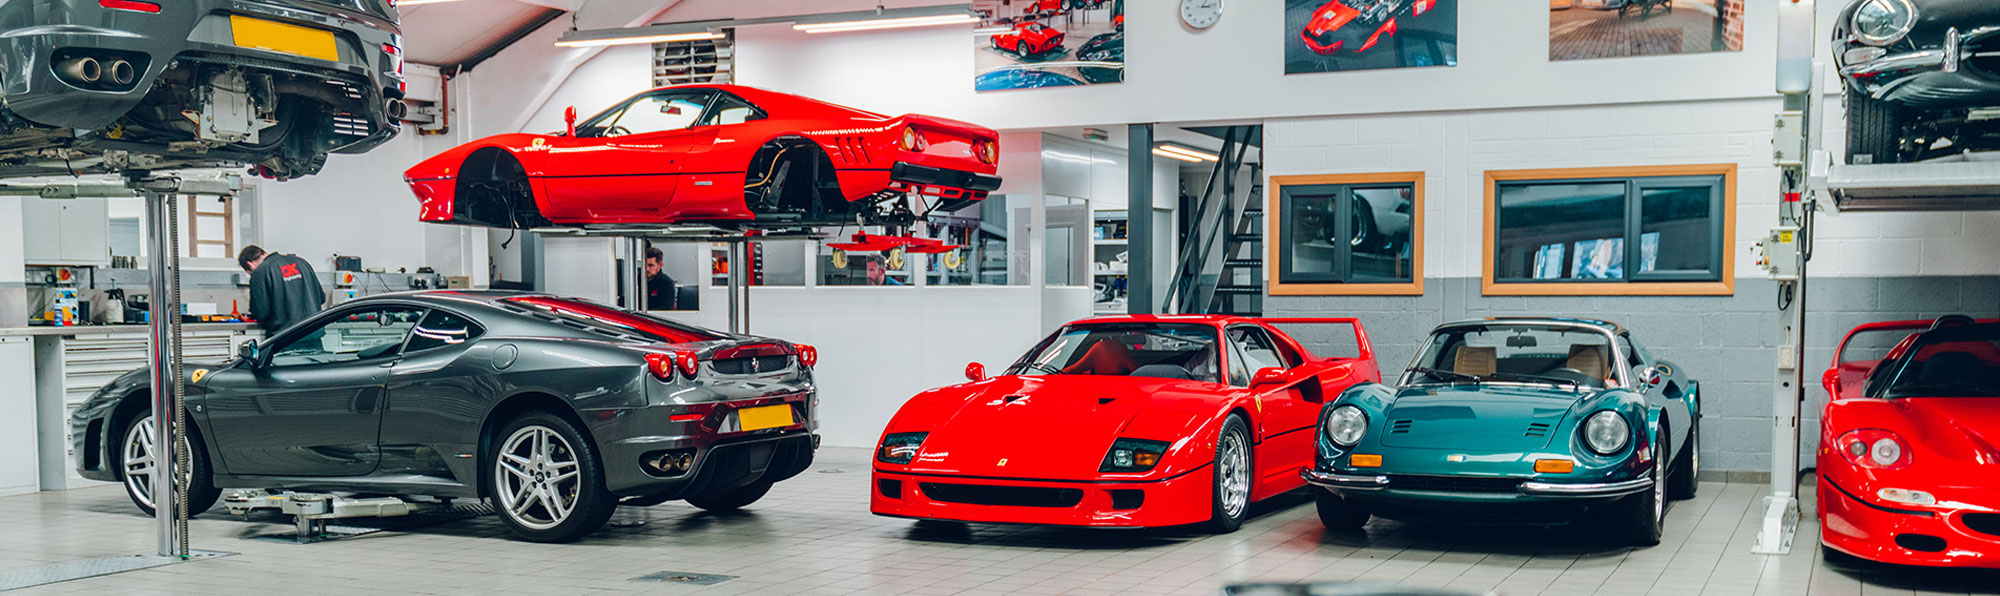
point(312, 510)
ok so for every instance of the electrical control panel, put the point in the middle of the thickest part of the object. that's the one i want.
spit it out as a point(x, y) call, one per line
point(1778, 253)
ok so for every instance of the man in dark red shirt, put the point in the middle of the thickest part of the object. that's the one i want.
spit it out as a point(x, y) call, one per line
point(283, 288)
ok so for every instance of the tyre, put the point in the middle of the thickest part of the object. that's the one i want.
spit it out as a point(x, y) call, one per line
point(1336, 513)
point(1366, 237)
point(733, 500)
point(1685, 479)
point(1231, 498)
point(1874, 130)
point(135, 455)
point(1639, 519)
point(545, 480)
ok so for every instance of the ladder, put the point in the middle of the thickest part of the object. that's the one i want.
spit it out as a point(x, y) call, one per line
point(1220, 268)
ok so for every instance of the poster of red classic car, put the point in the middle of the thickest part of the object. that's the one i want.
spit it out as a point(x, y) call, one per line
point(1586, 29)
point(1342, 35)
point(1028, 44)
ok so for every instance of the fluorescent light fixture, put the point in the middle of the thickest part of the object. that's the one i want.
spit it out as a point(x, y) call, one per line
point(991, 30)
point(698, 31)
point(880, 18)
point(1184, 153)
point(421, 2)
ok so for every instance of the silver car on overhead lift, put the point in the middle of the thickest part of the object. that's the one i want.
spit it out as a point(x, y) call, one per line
point(99, 86)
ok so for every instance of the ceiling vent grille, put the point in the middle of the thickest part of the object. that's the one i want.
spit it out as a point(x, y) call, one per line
point(705, 61)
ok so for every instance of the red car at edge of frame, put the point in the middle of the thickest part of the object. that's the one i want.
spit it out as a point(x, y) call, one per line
point(1126, 421)
point(1910, 443)
point(713, 154)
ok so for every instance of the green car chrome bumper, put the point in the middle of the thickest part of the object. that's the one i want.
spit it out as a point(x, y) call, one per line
point(1556, 490)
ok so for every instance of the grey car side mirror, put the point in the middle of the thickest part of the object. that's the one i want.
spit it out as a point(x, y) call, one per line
point(248, 352)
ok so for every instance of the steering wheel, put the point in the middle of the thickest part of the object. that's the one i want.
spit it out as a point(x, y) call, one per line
point(617, 131)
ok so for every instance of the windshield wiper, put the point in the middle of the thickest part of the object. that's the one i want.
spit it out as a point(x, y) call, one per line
point(1536, 378)
point(1445, 375)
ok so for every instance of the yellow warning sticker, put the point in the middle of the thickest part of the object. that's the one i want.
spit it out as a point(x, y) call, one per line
point(1785, 236)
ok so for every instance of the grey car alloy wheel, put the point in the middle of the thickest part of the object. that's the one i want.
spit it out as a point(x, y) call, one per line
point(537, 477)
point(138, 460)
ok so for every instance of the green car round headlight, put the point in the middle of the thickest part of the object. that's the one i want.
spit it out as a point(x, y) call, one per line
point(1345, 425)
point(1883, 22)
point(1606, 432)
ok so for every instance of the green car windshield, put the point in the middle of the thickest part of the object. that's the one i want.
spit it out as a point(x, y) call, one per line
point(1950, 362)
point(1567, 356)
point(1160, 350)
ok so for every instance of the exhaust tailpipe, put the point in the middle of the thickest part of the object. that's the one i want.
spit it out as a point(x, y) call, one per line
point(85, 70)
point(398, 110)
point(121, 72)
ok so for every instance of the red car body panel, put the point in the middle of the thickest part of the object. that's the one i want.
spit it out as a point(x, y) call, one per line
point(1333, 16)
point(1052, 431)
point(1029, 39)
point(1953, 452)
point(698, 174)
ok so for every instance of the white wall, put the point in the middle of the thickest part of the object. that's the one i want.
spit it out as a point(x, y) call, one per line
point(358, 205)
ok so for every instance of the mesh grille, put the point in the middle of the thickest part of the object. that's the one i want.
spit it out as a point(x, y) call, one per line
point(1017, 496)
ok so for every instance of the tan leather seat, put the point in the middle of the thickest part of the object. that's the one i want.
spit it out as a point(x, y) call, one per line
point(1476, 361)
point(1591, 360)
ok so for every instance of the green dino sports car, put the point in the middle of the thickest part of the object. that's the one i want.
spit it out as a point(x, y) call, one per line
point(1539, 421)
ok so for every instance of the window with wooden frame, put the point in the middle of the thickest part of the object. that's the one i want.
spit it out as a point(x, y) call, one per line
point(1654, 230)
point(1346, 235)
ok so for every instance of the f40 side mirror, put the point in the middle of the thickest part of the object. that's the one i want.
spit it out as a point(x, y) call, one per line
point(975, 372)
point(1268, 376)
point(569, 122)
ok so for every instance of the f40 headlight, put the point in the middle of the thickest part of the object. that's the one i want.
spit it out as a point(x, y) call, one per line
point(1883, 22)
point(1133, 455)
point(900, 448)
point(1606, 432)
point(1345, 425)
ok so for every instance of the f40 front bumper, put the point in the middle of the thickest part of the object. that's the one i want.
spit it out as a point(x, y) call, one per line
point(1179, 500)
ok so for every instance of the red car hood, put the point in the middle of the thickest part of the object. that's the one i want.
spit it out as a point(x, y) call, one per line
point(1331, 17)
point(1964, 430)
point(1052, 427)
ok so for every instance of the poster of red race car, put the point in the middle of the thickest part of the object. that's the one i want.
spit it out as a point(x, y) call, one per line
point(1342, 35)
point(1027, 44)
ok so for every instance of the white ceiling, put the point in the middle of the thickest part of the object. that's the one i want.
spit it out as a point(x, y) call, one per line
point(450, 32)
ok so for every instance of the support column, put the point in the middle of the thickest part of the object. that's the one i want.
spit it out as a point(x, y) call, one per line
point(164, 307)
point(738, 262)
point(634, 274)
point(1139, 219)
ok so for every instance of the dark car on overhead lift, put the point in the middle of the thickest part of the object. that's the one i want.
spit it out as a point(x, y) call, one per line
point(1922, 77)
point(95, 86)
point(556, 410)
point(1103, 58)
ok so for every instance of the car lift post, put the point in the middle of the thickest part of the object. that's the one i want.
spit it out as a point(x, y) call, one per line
point(739, 288)
point(1784, 254)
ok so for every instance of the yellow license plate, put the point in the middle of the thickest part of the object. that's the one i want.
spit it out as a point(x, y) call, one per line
point(284, 38)
point(763, 417)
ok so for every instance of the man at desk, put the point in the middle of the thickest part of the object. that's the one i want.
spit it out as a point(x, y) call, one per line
point(283, 288)
point(660, 289)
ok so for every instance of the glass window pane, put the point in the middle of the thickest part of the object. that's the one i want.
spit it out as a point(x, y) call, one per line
point(441, 329)
point(367, 333)
point(1563, 231)
point(982, 230)
point(1068, 241)
point(652, 113)
point(1381, 239)
point(1676, 232)
point(1310, 235)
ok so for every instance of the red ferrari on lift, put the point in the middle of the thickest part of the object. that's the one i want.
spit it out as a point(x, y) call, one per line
point(1138, 421)
point(713, 154)
point(1909, 456)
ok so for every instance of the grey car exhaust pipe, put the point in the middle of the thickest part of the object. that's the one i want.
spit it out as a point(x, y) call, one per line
point(121, 72)
point(85, 70)
point(397, 109)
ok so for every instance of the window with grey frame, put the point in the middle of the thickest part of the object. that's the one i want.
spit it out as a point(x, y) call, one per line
point(1658, 229)
point(1346, 233)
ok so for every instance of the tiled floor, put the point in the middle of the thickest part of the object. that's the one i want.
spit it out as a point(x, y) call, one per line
point(813, 535)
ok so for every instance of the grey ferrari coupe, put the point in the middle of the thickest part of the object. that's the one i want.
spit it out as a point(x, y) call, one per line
point(555, 410)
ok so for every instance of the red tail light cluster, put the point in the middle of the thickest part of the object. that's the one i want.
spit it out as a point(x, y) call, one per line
point(808, 355)
point(988, 151)
point(1874, 448)
point(664, 365)
point(132, 5)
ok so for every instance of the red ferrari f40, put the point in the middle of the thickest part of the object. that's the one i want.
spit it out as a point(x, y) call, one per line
point(1130, 421)
point(713, 154)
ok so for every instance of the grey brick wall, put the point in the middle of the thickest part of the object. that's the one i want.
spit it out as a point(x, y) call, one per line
point(1727, 342)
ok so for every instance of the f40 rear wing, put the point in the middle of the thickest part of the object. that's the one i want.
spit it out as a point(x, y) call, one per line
point(1327, 338)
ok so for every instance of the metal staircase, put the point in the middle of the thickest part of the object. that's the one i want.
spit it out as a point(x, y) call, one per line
point(1220, 269)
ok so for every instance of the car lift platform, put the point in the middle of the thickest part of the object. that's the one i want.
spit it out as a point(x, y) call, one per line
point(311, 511)
point(1968, 182)
point(683, 233)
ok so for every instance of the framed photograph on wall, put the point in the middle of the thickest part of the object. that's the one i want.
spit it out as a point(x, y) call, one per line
point(1587, 29)
point(1342, 35)
point(1030, 44)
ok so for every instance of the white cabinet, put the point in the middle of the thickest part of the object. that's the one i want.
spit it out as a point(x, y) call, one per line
point(66, 231)
point(18, 474)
